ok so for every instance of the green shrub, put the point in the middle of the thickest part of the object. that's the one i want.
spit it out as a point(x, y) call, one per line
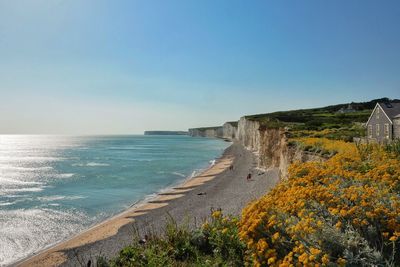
point(215, 243)
point(393, 147)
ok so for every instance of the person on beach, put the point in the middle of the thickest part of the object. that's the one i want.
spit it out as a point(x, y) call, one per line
point(248, 177)
point(231, 167)
point(143, 241)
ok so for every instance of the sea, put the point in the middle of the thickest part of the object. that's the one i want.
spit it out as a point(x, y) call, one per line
point(53, 187)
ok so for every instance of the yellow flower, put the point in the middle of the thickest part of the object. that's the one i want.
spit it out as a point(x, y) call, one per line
point(271, 260)
point(343, 212)
point(325, 259)
point(205, 225)
point(315, 251)
point(385, 234)
point(303, 258)
point(275, 236)
point(216, 214)
point(345, 185)
point(369, 214)
point(334, 211)
point(341, 262)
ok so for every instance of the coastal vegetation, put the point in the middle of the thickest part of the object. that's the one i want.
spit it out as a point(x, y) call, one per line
point(215, 243)
point(343, 211)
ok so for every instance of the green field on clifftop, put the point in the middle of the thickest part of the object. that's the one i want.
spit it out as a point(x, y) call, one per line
point(344, 121)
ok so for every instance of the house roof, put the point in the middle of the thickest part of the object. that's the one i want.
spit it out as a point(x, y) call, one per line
point(391, 109)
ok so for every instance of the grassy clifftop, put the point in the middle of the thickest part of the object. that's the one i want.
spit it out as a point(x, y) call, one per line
point(338, 122)
point(335, 116)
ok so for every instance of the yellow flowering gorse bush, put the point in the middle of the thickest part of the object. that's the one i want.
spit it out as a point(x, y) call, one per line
point(345, 210)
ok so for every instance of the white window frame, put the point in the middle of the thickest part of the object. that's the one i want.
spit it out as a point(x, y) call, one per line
point(377, 113)
point(386, 130)
point(370, 131)
point(377, 130)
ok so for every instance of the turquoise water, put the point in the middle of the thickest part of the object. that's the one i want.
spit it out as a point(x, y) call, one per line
point(52, 187)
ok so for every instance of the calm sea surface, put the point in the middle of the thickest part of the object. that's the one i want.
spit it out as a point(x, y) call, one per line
point(52, 187)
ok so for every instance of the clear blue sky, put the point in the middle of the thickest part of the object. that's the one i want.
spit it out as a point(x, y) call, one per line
point(83, 67)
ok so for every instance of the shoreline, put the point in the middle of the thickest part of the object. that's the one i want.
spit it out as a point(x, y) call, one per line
point(113, 223)
point(217, 187)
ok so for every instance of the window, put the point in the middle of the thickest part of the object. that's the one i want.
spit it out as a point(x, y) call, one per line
point(370, 131)
point(386, 130)
point(377, 130)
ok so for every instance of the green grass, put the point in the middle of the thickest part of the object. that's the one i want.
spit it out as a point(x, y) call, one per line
point(208, 128)
point(394, 147)
point(216, 243)
point(312, 119)
point(344, 126)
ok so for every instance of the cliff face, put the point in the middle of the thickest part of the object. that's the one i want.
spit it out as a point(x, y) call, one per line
point(207, 132)
point(229, 130)
point(271, 145)
point(165, 133)
point(275, 152)
point(248, 134)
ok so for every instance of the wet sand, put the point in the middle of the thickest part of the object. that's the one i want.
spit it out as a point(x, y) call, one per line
point(190, 202)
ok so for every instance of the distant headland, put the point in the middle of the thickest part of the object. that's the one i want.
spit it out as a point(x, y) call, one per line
point(165, 133)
